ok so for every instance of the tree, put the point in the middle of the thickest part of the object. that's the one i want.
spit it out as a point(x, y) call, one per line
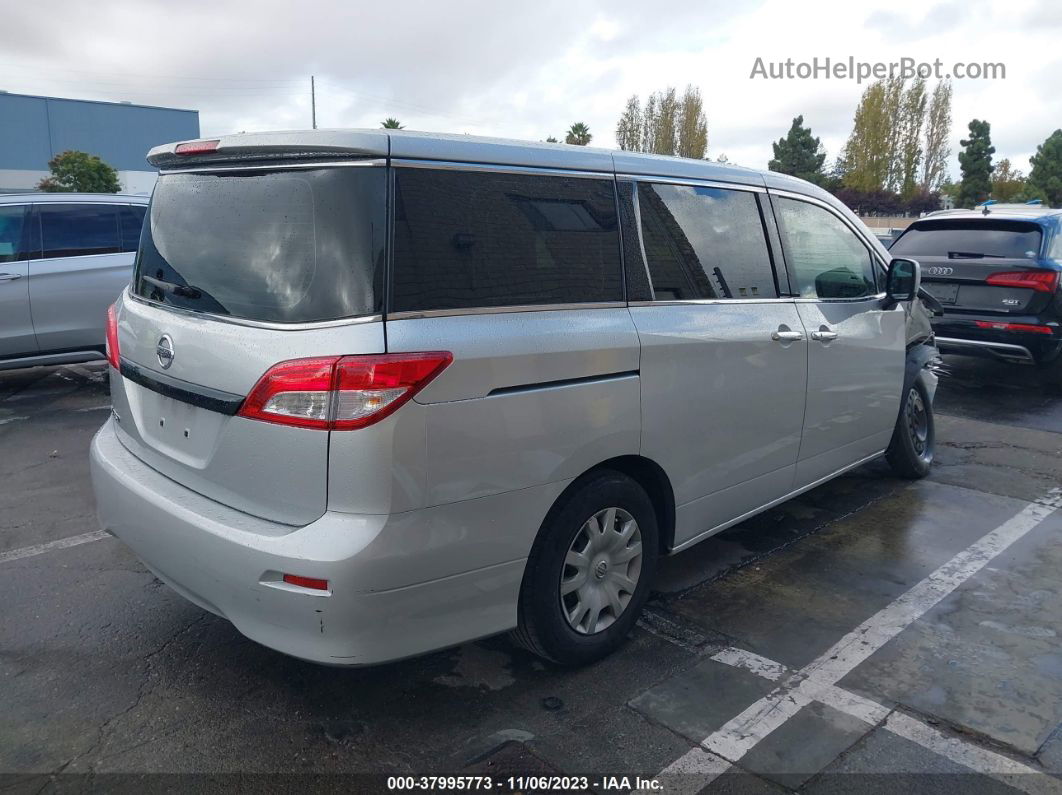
point(799, 154)
point(975, 163)
point(868, 154)
point(578, 134)
point(391, 124)
point(79, 172)
point(1008, 184)
point(912, 117)
point(629, 126)
point(665, 134)
point(938, 132)
point(692, 125)
point(1046, 175)
point(552, 140)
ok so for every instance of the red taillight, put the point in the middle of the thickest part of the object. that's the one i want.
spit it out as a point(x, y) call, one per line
point(998, 326)
point(1041, 281)
point(306, 582)
point(341, 392)
point(196, 147)
point(111, 339)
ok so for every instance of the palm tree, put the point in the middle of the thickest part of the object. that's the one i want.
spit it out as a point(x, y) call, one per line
point(391, 124)
point(578, 134)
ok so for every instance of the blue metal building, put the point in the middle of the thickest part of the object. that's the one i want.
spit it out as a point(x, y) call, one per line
point(34, 129)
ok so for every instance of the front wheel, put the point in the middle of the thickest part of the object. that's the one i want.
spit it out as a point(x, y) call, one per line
point(910, 452)
point(589, 571)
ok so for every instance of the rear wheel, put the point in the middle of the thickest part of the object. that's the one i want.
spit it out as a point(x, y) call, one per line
point(589, 571)
point(910, 452)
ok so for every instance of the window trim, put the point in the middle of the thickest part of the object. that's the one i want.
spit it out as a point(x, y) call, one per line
point(448, 165)
point(768, 240)
point(874, 255)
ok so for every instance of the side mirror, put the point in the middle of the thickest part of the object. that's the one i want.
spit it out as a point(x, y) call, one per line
point(903, 281)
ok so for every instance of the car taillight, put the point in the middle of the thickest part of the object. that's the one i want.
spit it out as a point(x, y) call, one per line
point(1001, 326)
point(1041, 281)
point(111, 339)
point(196, 147)
point(341, 392)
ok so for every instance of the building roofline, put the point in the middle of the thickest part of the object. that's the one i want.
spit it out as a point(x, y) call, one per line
point(121, 104)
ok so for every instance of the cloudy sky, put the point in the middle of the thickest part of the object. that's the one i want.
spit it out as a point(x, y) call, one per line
point(529, 69)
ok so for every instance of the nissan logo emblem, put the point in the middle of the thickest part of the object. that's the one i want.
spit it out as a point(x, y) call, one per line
point(164, 350)
point(938, 270)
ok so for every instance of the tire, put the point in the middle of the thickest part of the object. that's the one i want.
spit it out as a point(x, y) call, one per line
point(551, 624)
point(910, 452)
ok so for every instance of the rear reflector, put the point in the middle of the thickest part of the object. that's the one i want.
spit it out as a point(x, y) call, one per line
point(341, 392)
point(1041, 281)
point(306, 582)
point(111, 339)
point(196, 147)
point(991, 324)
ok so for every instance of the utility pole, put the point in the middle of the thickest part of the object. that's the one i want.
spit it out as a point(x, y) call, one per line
point(313, 104)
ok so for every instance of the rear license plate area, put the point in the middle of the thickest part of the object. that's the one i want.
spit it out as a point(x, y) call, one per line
point(945, 293)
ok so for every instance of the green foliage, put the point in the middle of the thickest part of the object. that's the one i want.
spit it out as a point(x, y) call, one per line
point(391, 124)
point(552, 140)
point(79, 172)
point(578, 134)
point(1045, 179)
point(666, 125)
point(1008, 184)
point(938, 131)
point(799, 154)
point(975, 163)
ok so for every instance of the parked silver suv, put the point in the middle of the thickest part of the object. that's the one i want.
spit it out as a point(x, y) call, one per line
point(377, 392)
point(64, 258)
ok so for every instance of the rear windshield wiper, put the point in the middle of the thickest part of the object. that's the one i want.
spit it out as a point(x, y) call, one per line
point(972, 255)
point(182, 290)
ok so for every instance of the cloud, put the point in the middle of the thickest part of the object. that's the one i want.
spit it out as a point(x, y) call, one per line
point(528, 70)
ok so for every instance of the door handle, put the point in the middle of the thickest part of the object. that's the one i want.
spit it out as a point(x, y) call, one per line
point(824, 335)
point(9, 277)
point(785, 335)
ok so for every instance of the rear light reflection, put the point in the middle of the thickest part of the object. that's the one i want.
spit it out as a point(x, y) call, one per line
point(341, 392)
point(995, 326)
point(111, 339)
point(1041, 281)
point(306, 582)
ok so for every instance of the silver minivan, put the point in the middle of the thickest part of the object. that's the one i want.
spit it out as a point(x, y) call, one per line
point(377, 393)
point(64, 258)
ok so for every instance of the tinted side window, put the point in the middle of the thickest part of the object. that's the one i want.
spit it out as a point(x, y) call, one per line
point(130, 221)
point(704, 243)
point(11, 225)
point(74, 230)
point(825, 257)
point(485, 239)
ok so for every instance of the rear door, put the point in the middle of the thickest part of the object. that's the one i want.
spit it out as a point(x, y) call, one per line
point(83, 270)
point(16, 322)
point(724, 358)
point(856, 349)
point(517, 272)
point(240, 269)
point(980, 265)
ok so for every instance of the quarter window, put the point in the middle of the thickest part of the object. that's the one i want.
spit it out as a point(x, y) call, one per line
point(76, 230)
point(825, 257)
point(487, 239)
point(703, 243)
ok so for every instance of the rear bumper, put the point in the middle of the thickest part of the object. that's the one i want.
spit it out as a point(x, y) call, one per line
point(961, 334)
point(232, 564)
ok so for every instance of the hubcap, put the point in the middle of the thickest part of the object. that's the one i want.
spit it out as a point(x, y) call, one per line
point(918, 423)
point(601, 570)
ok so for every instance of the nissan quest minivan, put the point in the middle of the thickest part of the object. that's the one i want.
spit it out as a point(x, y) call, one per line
point(377, 393)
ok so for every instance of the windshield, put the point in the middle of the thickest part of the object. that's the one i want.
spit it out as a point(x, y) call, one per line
point(969, 240)
point(290, 246)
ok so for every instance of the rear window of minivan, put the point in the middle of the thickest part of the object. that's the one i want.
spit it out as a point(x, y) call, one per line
point(284, 245)
point(472, 239)
point(974, 239)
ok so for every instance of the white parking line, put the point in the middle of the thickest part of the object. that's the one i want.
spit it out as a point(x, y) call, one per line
point(742, 733)
point(51, 546)
point(967, 754)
